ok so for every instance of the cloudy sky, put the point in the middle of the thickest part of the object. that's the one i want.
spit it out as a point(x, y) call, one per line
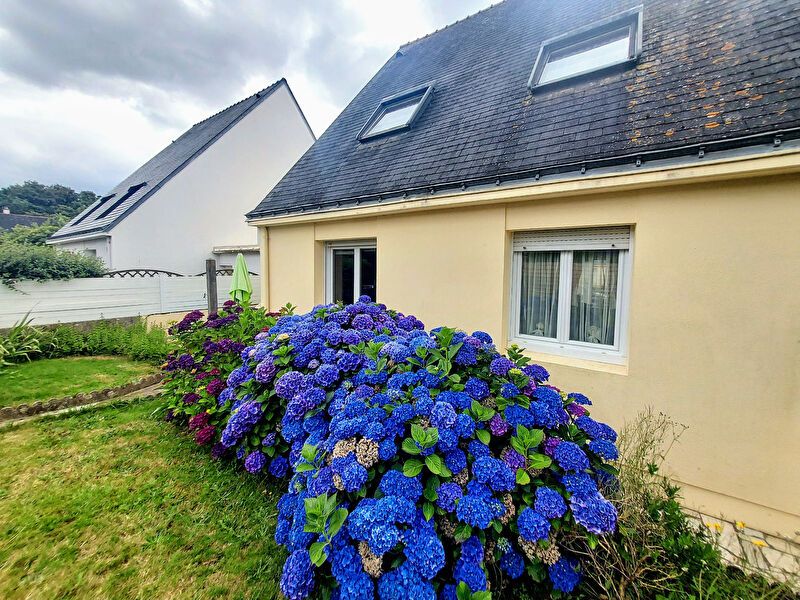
point(90, 89)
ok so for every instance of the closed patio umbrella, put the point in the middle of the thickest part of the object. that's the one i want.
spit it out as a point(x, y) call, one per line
point(241, 286)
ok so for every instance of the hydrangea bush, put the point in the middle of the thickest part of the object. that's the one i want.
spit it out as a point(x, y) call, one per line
point(209, 349)
point(422, 464)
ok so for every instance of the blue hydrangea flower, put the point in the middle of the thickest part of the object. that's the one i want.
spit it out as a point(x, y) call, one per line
point(395, 483)
point(255, 461)
point(509, 391)
point(472, 550)
point(500, 366)
point(326, 375)
point(456, 460)
point(464, 426)
point(532, 525)
point(579, 484)
point(595, 513)
point(240, 423)
point(536, 372)
point(448, 495)
point(570, 457)
point(604, 449)
point(278, 466)
point(424, 551)
point(476, 388)
point(297, 579)
point(549, 503)
point(403, 583)
point(595, 430)
point(470, 573)
point(442, 415)
point(564, 575)
point(494, 473)
point(483, 336)
point(512, 564)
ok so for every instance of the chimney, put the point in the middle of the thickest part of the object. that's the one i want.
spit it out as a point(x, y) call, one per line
point(6, 210)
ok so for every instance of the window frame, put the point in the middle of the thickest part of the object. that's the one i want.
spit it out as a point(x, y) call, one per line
point(561, 345)
point(424, 92)
point(632, 19)
point(356, 246)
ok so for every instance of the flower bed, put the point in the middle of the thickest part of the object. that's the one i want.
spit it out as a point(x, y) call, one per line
point(208, 350)
point(421, 464)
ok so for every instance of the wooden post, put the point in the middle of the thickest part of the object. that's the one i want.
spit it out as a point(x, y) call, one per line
point(211, 285)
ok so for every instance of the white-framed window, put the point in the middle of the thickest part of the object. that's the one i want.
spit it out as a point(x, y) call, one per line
point(396, 113)
point(613, 41)
point(350, 270)
point(569, 292)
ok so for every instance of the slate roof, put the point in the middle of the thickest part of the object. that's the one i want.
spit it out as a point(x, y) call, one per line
point(161, 168)
point(9, 221)
point(708, 71)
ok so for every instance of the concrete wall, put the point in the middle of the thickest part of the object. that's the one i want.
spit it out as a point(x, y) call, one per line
point(714, 316)
point(204, 205)
point(95, 298)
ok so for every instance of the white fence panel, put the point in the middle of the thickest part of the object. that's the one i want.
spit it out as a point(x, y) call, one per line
point(107, 298)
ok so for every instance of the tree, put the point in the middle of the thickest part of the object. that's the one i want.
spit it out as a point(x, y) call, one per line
point(34, 198)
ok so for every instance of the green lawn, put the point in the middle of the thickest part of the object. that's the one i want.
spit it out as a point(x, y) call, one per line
point(113, 503)
point(58, 377)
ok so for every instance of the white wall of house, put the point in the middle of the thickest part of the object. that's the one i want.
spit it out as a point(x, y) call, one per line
point(204, 205)
point(99, 247)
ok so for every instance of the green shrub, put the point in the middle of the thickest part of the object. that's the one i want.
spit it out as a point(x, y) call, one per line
point(20, 343)
point(658, 552)
point(64, 340)
point(24, 342)
point(43, 263)
point(33, 235)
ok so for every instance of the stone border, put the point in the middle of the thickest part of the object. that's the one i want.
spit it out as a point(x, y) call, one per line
point(21, 411)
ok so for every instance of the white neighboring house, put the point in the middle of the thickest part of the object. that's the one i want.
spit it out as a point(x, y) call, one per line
point(187, 203)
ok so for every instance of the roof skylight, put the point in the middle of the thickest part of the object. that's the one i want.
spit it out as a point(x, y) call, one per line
point(396, 113)
point(610, 42)
point(131, 191)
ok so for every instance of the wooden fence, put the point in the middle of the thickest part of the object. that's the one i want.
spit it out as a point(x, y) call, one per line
point(107, 298)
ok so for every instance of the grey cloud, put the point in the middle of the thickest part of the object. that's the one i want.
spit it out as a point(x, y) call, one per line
point(151, 52)
point(106, 46)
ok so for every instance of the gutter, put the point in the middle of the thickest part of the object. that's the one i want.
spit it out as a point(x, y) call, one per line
point(737, 164)
point(772, 140)
point(76, 238)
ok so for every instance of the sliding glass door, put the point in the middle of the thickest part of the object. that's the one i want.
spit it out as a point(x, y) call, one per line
point(350, 271)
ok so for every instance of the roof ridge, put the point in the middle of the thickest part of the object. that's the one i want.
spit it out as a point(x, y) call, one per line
point(453, 24)
point(257, 94)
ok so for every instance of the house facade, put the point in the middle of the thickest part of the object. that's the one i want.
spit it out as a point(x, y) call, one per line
point(614, 187)
point(188, 202)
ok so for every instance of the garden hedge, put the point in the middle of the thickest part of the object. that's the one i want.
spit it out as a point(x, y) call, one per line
point(419, 464)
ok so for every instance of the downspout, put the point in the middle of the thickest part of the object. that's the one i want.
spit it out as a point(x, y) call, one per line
point(263, 245)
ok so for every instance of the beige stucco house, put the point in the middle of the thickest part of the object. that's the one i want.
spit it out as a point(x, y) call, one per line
point(614, 187)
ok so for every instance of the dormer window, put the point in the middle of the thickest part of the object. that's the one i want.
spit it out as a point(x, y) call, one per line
point(608, 43)
point(396, 113)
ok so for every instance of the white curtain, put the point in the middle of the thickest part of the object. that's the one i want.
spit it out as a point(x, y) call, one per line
point(538, 314)
point(594, 296)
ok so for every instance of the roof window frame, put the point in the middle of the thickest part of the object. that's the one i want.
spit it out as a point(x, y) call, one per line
point(424, 91)
point(632, 19)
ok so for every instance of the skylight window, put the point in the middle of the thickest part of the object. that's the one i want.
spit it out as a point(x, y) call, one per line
point(103, 200)
point(131, 191)
point(608, 43)
point(396, 113)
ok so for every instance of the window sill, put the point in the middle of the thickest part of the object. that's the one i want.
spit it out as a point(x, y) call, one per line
point(559, 354)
